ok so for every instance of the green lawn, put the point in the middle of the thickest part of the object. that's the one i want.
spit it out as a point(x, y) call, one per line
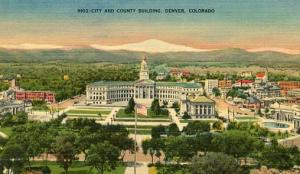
point(6, 130)
point(78, 168)
point(122, 114)
point(187, 121)
point(86, 111)
point(246, 118)
point(87, 116)
point(142, 120)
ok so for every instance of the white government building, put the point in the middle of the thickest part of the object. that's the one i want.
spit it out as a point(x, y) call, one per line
point(188, 94)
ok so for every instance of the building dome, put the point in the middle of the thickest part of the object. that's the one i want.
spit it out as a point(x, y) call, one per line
point(144, 72)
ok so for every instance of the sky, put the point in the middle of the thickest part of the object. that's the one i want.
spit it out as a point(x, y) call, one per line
point(247, 24)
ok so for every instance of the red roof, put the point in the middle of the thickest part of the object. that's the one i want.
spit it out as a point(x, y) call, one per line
point(245, 81)
point(260, 75)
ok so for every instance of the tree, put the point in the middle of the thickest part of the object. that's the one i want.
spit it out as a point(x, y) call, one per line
point(103, 157)
point(165, 103)
point(173, 130)
point(237, 143)
point(186, 116)
point(155, 107)
point(216, 91)
point(218, 125)
point(130, 106)
point(65, 150)
point(175, 105)
point(278, 157)
point(13, 158)
point(83, 123)
point(30, 137)
point(7, 119)
point(214, 163)
point(157, 131)
point(179, 149)
point(197, 127)
point(84, 142)
point(232, 125)
point(21, 117)
point(204, 142)
point(148, 148)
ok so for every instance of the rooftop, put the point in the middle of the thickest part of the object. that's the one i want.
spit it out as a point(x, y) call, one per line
point(200, 99)
point(107, 83)
point(260, 75)
point(180, 84)
point(245, 81)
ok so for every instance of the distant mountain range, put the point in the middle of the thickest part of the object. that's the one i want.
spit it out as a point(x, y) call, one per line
point(149, 46)
point(91, 55)
point(155, 50)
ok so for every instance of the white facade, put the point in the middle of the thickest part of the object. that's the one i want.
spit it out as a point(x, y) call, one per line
point(144, 90)
point(286, 113)
point(210, 84)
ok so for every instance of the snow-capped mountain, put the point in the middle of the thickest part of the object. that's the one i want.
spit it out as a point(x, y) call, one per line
point(151, 46)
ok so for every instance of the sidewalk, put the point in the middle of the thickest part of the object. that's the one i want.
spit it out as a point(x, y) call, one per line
point(175, 119)
point(141, 168)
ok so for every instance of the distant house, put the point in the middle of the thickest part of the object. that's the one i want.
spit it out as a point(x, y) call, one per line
point(243, 83)
point(261, 78)
point(210, 84)
point(161, 76)
point(35, 96)
point(267, 91)
point(253, 103)
point(286, 86)
point(177, 73)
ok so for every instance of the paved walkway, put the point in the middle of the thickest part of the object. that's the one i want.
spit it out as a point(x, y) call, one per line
point(175, 119)
point(112, 115)
point(141, 168)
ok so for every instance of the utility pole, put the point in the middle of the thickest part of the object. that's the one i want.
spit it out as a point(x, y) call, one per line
point(228, 116)
point(135, 143)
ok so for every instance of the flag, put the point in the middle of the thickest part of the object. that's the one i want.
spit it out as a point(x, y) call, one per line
point(141, 109)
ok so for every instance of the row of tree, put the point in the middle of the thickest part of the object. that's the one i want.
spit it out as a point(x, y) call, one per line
point(242, 144)
point(103, 146)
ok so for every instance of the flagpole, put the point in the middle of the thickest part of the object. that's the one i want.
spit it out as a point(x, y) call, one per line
point(135, 143)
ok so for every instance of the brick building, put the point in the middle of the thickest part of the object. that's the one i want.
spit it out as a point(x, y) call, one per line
point(286, 86)
point(35, 96)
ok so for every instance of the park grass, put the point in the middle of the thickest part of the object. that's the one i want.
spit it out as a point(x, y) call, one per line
point(121, 114)
point(77, 168)
point(85, 111)
point(97, 118)
point(188, 121)
point(141, 120)
point(6, 130)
